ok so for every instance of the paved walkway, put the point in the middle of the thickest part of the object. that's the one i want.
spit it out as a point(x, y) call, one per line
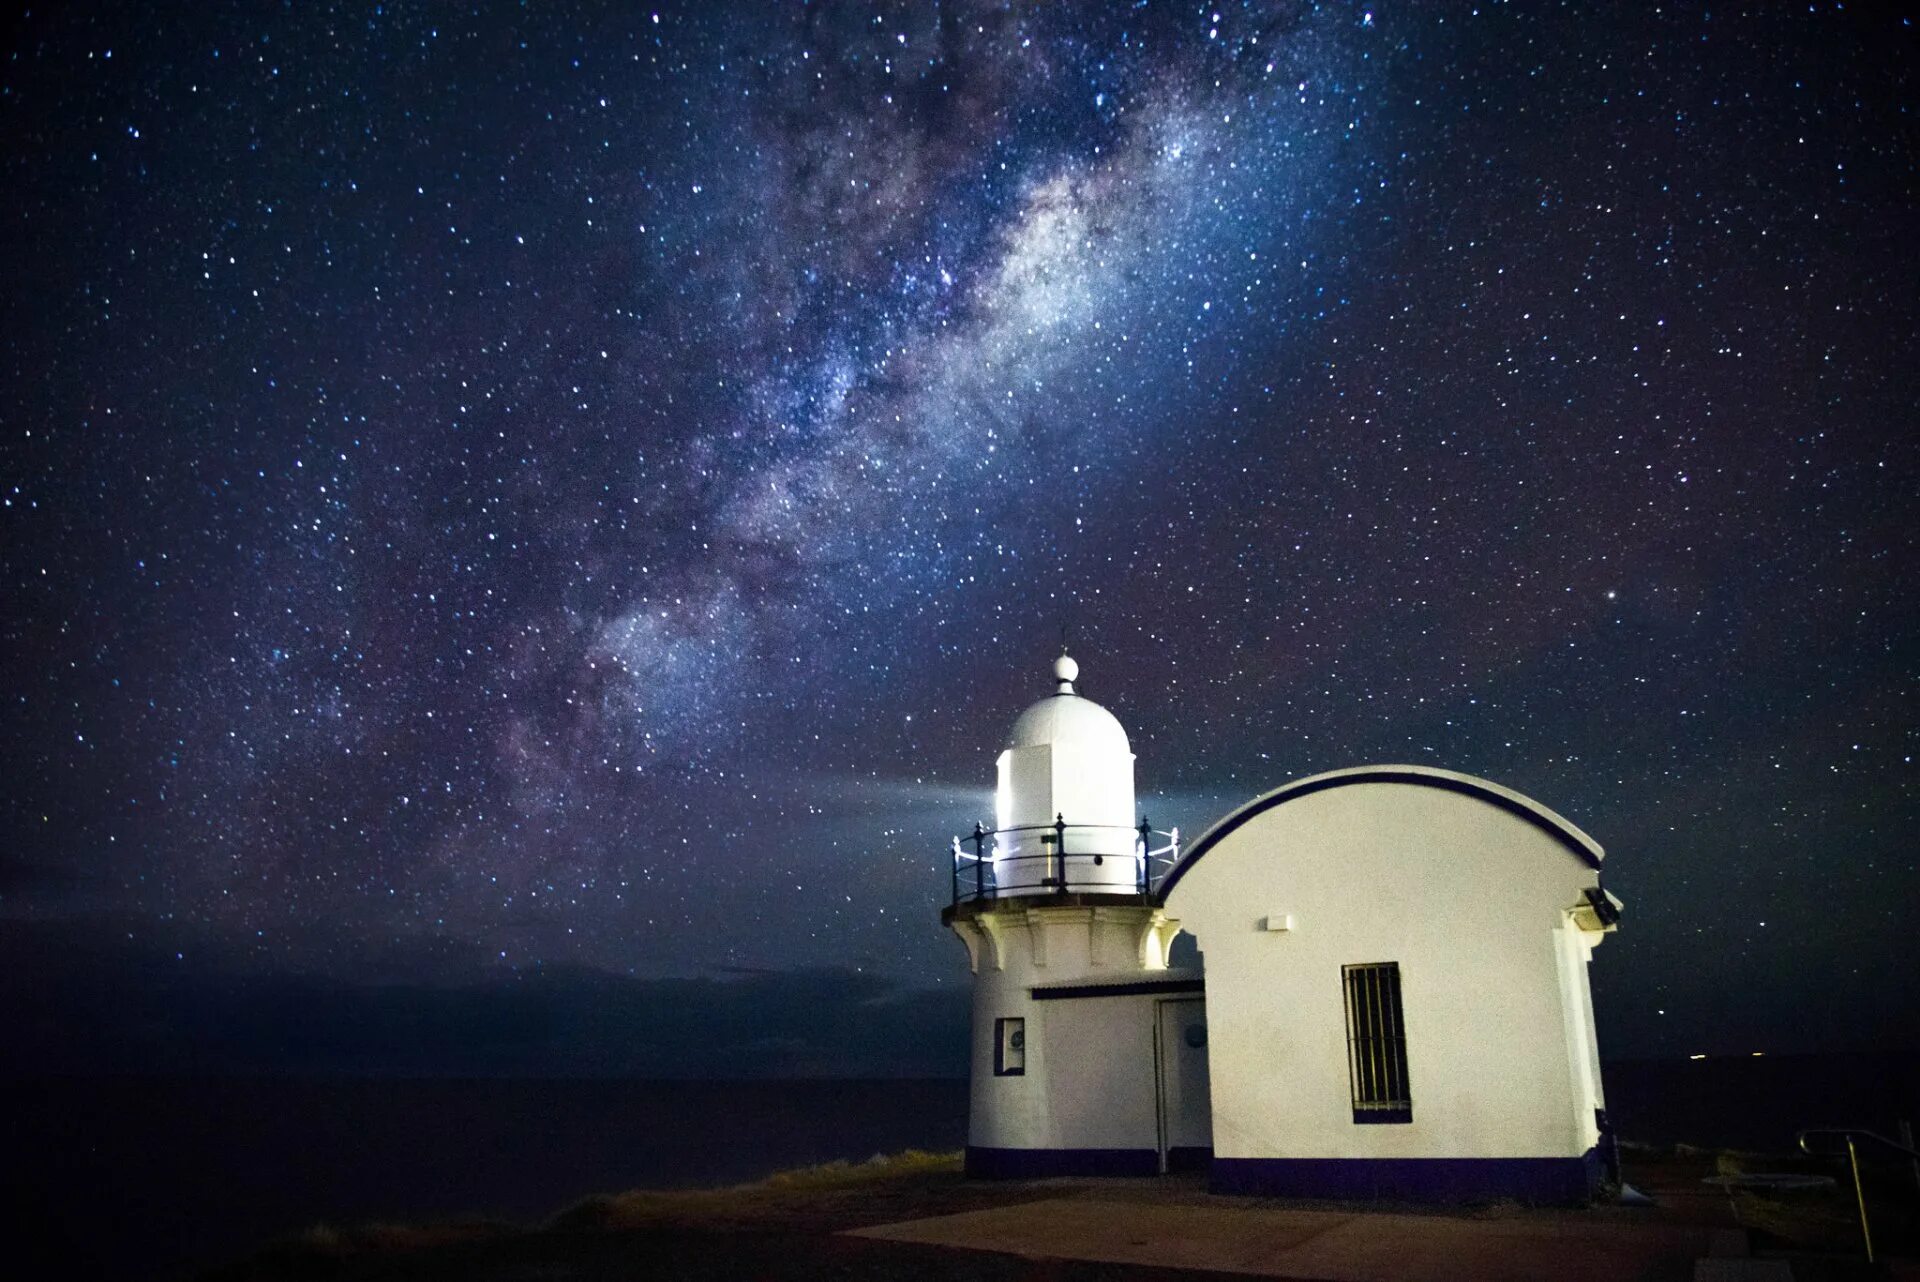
point(1321, 1245)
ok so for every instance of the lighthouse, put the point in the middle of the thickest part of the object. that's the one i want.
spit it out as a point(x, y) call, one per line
point(1394, 998)
point(1067, 948)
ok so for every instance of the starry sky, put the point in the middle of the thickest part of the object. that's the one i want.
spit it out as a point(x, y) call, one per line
point(500, 494)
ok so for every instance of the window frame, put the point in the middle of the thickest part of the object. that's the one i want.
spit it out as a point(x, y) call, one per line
point(1377, 1076)
point(1001, 1032)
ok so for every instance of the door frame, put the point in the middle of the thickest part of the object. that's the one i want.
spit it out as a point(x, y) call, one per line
point(1160, 1055)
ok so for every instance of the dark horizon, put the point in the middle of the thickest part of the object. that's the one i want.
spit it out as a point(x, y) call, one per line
point(123, 1013)
point(520, 531)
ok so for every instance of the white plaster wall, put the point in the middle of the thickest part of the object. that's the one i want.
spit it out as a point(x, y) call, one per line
point(1090, 1076)
point(1005, 1112)
point(1469, 899)
point(1100, 1092)
point(1574, 949)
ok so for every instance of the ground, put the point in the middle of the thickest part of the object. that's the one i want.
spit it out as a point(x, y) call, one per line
point(916, 1217)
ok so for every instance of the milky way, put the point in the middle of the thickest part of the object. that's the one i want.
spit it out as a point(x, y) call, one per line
point(590, 487)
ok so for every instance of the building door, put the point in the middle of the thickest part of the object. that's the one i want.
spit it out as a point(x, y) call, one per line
point(1180, 1071)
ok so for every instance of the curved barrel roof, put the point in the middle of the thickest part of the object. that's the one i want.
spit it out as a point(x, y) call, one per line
point(1576, 842)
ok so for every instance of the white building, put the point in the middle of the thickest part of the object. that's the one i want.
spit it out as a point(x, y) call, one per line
point(1394, 999)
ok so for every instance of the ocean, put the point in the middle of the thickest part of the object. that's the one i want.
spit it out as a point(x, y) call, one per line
point(151, 1177)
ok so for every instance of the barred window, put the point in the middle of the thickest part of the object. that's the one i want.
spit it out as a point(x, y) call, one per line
point(1376, 1044)
point(1009, 1047)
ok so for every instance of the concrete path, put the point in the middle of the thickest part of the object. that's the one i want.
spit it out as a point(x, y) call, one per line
point(1323, 1246)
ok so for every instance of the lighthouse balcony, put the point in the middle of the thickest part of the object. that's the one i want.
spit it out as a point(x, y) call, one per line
point(1061, 858)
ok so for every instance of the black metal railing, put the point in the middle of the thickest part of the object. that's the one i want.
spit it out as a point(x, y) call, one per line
point(978, 872)
point(1833, 1141)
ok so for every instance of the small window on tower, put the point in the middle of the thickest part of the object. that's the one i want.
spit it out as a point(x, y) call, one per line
point(1009, 1047)
point(1376, 1044)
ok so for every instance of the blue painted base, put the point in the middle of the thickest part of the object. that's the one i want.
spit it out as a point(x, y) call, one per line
point(1547, 1180)
point(1039, 1163)
point(1188, 1159)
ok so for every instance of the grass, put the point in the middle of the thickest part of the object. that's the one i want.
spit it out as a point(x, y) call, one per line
point(332, 1240)
point(803, 1196)
point(760, 1200)
point(880, 1166)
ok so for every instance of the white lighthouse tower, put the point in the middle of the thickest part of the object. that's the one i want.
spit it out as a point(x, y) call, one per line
point(1068, 951)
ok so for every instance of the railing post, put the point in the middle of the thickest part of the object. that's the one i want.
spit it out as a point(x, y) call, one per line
point(979, 861)
point(956, 872)
point(1860, 1196)
point(1146, 853)
point(1060, 846)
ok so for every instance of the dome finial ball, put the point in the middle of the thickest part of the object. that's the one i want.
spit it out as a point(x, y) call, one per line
point(1065, 669)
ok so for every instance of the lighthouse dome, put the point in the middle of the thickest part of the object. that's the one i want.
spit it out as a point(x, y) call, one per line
point(1067, 761)
point(1067, 720)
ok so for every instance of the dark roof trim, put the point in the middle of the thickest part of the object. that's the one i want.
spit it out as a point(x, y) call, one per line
point(1575, 842)
point(1066, 991)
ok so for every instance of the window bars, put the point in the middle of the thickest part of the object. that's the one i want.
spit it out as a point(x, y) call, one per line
point(1376, 1044)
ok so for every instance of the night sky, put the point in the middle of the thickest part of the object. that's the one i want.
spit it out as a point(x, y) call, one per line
point(508, 504)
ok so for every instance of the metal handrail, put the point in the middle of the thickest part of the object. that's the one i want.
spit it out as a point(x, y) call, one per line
point(1132, 828)
point(1153, 862)
point(1849, 1134)
point(1860, 1131)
